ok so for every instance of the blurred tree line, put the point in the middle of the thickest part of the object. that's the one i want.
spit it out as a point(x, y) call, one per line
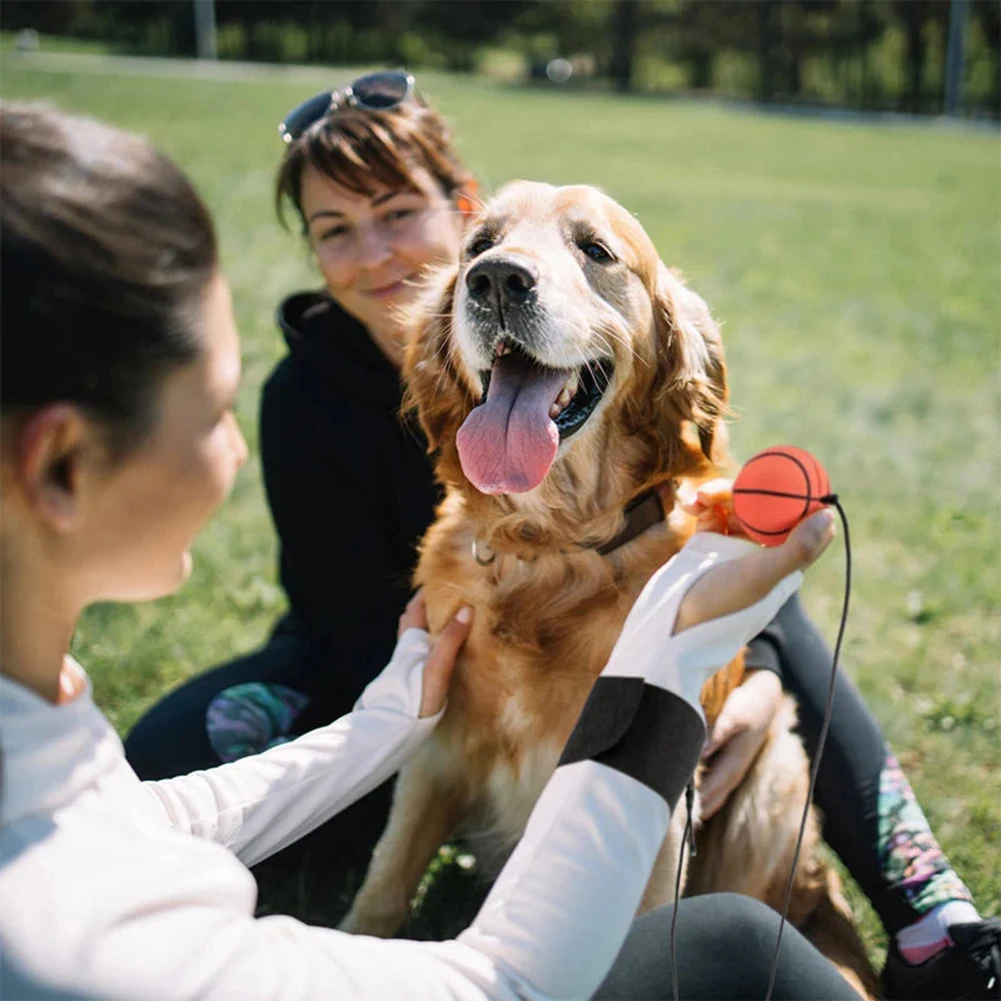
point(870, 54)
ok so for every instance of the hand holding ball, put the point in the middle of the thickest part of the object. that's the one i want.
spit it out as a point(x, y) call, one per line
point(776, 490)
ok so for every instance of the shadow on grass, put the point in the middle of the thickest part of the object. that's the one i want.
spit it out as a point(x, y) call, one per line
point(319, 892)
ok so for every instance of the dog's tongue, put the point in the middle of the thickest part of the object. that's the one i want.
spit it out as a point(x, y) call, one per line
point(507, 444)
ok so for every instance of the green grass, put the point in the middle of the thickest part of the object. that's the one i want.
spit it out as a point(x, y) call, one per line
point(856, 271)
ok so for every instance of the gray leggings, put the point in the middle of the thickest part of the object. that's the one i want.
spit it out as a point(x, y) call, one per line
point(725, 944)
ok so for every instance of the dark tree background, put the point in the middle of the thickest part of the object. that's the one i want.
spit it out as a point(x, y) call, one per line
point(879, 54)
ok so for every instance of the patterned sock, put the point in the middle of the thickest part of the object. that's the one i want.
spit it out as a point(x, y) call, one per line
point(915, 866)
point(930, 935)
point(250, 718)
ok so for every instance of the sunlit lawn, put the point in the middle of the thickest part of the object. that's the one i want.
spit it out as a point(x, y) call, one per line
point(856, 270)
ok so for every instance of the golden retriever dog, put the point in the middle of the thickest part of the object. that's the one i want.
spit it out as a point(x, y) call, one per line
point(569, 382)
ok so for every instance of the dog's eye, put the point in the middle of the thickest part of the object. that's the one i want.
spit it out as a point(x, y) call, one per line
point(480, 246)
point(597, 252)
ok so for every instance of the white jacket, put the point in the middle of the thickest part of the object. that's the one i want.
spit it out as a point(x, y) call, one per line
point(115, 888)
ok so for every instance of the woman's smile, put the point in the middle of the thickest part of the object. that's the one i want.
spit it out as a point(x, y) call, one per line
point(394, 289)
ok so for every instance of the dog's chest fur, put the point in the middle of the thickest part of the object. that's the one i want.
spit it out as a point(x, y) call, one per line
point(542, 631)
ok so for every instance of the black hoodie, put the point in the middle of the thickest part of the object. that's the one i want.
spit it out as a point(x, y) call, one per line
point(350, 486)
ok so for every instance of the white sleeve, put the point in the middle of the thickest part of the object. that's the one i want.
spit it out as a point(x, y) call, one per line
point(262, 803)
point(560, 910)
point(170, 920)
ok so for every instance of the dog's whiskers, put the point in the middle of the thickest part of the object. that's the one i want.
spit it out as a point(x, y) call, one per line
point(605, 332)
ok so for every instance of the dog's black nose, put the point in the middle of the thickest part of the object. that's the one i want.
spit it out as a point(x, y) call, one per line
point(500, 281)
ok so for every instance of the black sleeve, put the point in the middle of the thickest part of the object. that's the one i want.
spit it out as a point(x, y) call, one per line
point(763, 652)
point(345, 587)
point(646, 732)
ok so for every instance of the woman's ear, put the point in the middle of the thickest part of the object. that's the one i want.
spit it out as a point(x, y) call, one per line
point(467, 201)
point(46, 460)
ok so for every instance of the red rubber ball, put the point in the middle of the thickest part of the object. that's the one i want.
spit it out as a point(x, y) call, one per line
point(776, 490)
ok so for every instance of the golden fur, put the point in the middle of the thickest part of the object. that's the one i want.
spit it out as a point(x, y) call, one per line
point(547, 606)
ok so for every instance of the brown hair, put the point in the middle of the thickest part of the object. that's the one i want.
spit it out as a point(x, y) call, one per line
point(360, 149)
point(107, 253)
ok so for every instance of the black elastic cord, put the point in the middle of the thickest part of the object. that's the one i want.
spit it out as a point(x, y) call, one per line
point(830, 499)
point(688, 836)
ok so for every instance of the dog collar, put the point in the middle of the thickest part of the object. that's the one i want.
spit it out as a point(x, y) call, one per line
point(641, 512)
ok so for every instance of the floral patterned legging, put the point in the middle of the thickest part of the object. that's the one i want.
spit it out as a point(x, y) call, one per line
point(871, 816)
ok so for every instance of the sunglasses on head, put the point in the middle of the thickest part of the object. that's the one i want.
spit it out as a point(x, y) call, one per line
point(380, 91)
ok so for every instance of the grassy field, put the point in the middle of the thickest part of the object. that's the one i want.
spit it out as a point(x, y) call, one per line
point(856, 270)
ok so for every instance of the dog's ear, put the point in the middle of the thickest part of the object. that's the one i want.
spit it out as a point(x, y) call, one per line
point(433, 388)
point(690, 361)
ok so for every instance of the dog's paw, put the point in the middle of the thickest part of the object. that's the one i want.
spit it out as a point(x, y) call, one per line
point(369, 921)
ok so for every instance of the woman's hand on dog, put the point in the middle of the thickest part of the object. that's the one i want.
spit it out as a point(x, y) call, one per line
point(711, 504)
point(737, 736)
point(441, 661)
